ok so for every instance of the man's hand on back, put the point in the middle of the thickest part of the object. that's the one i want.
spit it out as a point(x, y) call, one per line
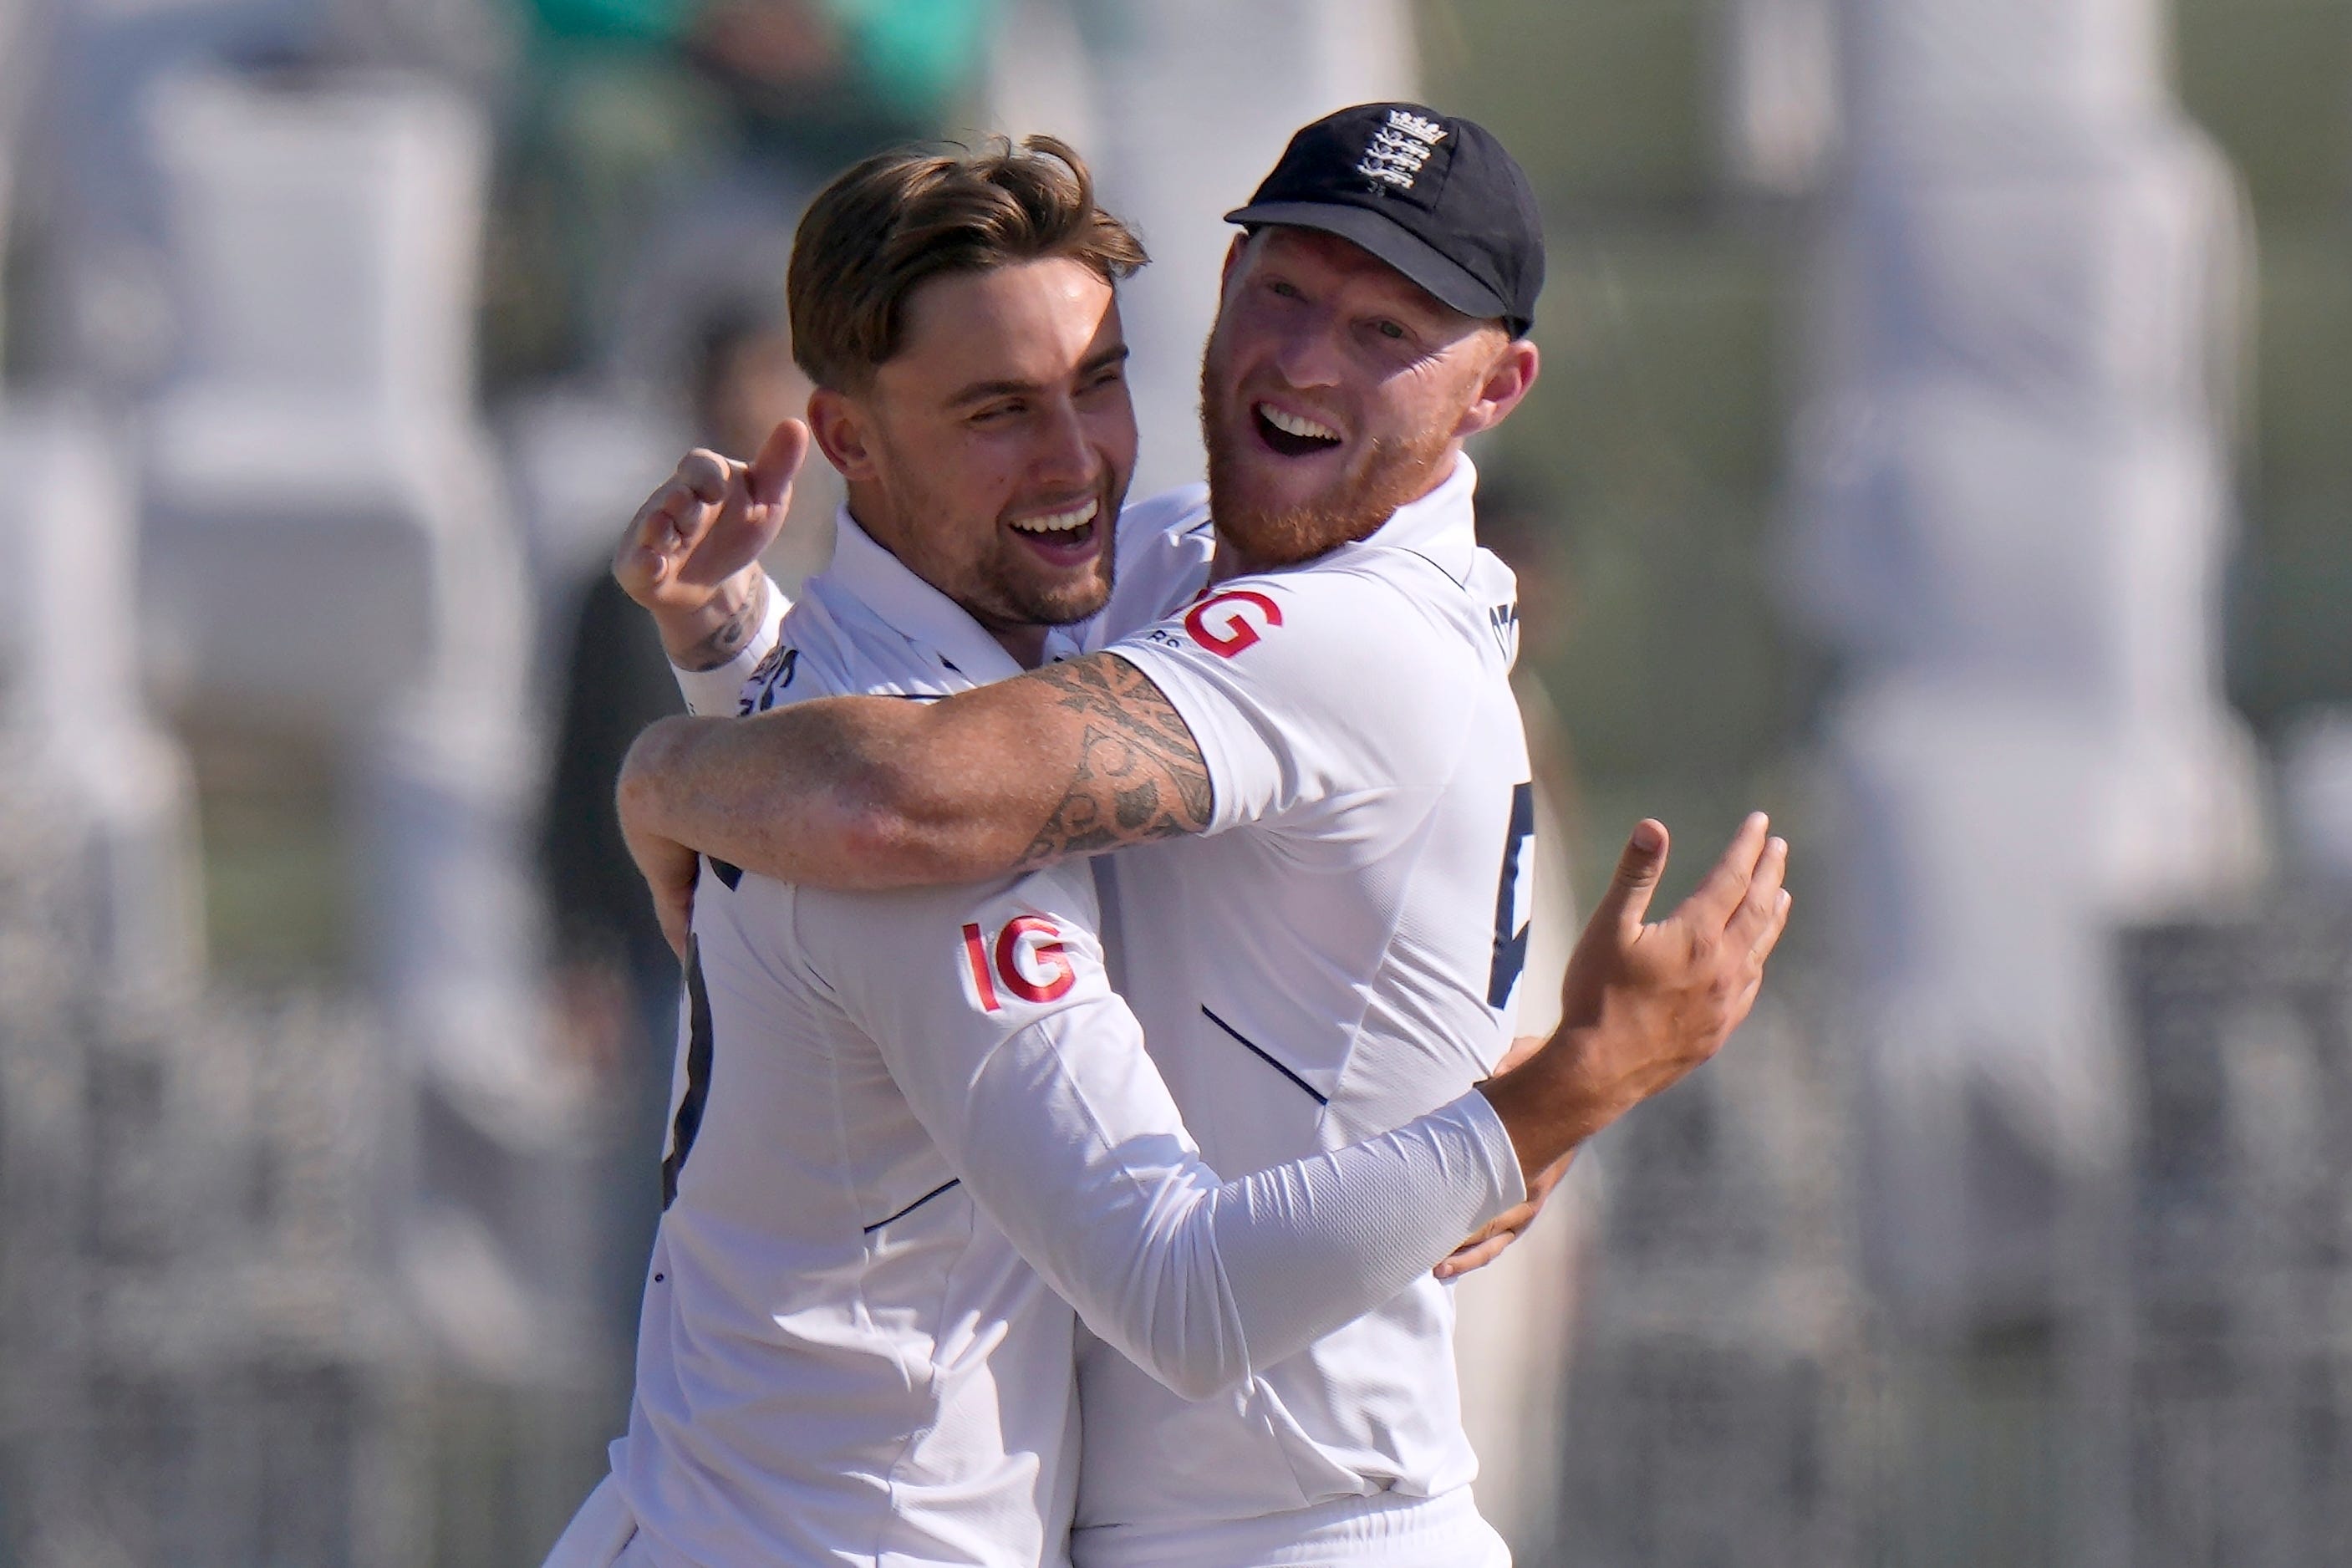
point(1644, 1004)
point(691, 554)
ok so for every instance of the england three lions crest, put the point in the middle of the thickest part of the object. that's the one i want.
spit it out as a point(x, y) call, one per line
point(1399, 148)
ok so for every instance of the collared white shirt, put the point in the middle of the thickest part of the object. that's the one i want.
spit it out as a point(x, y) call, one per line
point(898, 1118)
point(1338, 953)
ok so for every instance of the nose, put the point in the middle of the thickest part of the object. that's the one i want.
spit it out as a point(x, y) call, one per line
point(1065, 457)
point(1309, 353)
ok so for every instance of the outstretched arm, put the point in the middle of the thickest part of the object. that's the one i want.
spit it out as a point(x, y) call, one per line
point(870, 793)
point(997, 1021)
point(1644, 1003)
point(1046, 1104)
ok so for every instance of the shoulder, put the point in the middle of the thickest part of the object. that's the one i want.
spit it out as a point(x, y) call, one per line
point(830, 646)
point(1162, 556)
point(1171, 514)
point(1494, 590)
point(1331, 615)
point(808, 661)
point(1324, 652)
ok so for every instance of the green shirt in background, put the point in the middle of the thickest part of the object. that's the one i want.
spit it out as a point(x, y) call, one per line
point(912, 55)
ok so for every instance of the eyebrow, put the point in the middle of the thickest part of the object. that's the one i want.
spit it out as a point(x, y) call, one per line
point(982, 391)
point(1406, 299)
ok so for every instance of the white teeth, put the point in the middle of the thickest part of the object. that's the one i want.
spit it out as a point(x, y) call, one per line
point(1059, 521)
point(1296, 425)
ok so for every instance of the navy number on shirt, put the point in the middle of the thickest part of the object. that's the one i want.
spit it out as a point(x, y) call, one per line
point(698, 1074)
point(1510, 930)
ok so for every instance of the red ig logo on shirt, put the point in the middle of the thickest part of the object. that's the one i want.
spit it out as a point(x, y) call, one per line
point(1029, 959)
point(1229, 622)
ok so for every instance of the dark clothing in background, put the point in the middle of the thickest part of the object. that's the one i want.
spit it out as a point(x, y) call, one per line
point(616, 681)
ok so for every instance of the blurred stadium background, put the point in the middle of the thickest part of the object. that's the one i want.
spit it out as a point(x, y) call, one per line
point(1942, 442)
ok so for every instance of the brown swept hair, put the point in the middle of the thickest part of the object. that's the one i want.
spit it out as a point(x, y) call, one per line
point(899, 218)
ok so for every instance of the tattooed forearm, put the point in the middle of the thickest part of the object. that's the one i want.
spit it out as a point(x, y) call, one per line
point(727, 639)
point(1140, 774)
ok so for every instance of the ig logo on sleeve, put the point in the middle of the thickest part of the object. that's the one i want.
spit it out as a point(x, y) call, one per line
point(1027, 961)
point(1229, 622)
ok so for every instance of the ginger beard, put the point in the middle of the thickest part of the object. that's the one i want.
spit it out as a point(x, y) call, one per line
point(1384, 473)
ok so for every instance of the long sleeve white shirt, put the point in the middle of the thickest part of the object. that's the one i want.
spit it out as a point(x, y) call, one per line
point(909, 1128)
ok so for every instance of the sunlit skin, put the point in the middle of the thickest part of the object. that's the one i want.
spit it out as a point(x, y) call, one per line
point(1313, 328)
point(1006, 404)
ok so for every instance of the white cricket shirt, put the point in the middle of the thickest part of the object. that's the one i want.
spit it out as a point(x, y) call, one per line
point(899, 1119)
point(1338, 953)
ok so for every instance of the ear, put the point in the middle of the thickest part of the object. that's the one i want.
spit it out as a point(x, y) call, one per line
point(843, 428)
point(1506, 381)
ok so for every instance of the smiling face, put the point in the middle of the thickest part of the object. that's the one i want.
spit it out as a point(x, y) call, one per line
point(992, 451)
point(1334, 390)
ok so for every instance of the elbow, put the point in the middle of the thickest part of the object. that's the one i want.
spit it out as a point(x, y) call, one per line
point(637, 792)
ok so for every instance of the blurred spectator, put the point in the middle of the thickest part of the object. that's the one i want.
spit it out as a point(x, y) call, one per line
point(616, 979)
point(667, 146)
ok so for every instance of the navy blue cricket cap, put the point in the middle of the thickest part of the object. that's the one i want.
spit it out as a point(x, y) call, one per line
point(1433, 195)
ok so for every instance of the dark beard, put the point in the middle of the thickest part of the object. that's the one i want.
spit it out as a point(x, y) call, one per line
point(1389, 474)
point(1007, 599)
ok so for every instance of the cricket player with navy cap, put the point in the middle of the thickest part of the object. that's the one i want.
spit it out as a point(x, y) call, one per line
point(913, 1132)
point(1313, 768)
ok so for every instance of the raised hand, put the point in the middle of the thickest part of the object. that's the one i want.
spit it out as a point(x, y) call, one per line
point(1644, 1003)
point(1664, 997)
point(691, 554)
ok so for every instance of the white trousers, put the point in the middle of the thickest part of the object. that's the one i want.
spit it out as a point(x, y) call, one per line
point(1388, 1528)
point(1398, 1532)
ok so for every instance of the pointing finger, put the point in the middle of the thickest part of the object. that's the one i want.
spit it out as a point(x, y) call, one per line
point(780, 458)
point(1718, 893)
point(1627, 900)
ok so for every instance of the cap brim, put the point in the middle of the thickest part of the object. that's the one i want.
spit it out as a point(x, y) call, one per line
point(1402, 249)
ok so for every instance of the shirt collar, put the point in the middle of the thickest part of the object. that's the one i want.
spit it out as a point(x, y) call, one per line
point(1440, 527)
point(912, 607)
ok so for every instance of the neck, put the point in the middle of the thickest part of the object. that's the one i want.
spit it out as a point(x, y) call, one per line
point(870, 509)
point(1025, 643)
point(1227, 562)
point(1231, 561)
